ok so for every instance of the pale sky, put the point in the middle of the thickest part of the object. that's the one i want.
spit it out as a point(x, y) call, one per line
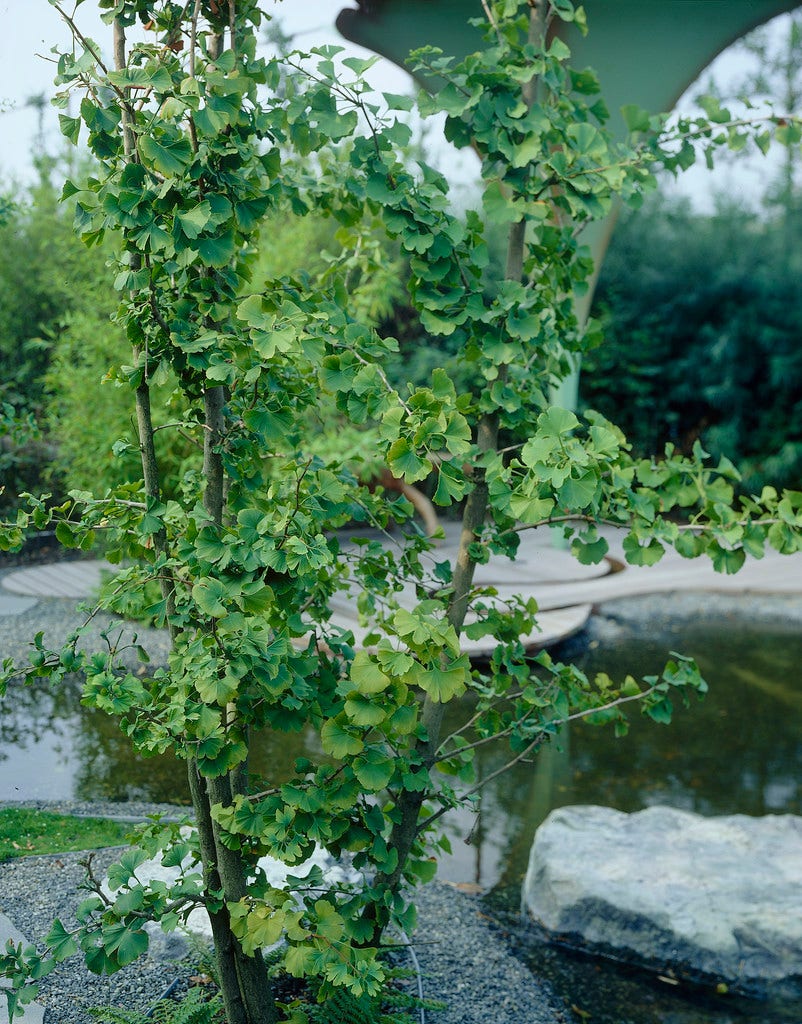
point(31, 28)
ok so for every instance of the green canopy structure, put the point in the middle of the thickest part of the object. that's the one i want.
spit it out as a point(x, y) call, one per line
point(646, 52)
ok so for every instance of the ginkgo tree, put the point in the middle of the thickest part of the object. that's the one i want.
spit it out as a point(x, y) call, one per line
point(198, 137)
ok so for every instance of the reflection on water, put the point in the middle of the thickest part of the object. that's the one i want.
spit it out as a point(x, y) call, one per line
point(740, 750)
point(52, 748)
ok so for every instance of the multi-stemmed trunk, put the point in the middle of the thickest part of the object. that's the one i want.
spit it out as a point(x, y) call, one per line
point(244, 981)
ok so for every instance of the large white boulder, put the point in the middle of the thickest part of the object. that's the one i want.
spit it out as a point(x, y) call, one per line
point(719, 898)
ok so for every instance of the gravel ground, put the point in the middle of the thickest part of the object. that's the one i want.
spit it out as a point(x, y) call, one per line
point(57, 617)
point(463, 961)
point(34, 891)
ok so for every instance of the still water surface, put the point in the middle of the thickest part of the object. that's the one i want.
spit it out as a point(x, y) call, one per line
point(738, 751)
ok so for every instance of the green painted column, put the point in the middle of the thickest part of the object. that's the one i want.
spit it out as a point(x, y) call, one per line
point(645, 51)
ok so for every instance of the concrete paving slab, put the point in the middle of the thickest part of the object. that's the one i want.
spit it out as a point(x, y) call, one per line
point(9, 931)
point(534, 562)
point(34, 1013)
point(59, 579)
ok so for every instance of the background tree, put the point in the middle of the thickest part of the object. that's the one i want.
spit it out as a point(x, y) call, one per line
point(45, 274)
point(703, 342)
point(702, 313)
point(777, 77)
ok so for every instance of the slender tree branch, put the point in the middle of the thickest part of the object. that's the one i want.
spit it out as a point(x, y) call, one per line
point(541, 736)
point(406, 827)
point(492, 21)
point(147, 448)
point(692, 527)
point(193, 37)
point(192, 440)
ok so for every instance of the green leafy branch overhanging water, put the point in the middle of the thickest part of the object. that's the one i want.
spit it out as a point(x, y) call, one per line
point(197, 138)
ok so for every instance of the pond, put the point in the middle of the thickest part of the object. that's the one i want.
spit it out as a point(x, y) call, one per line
point(739, 750)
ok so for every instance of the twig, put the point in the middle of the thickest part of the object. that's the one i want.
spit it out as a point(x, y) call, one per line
point(157, 316)
point(190, 438)
point(383, 377)
point(541, 736)
point(70, 21)
point(193, 36)
point(491, 19)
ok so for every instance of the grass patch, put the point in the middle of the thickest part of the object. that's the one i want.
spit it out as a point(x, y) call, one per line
point(26, 833)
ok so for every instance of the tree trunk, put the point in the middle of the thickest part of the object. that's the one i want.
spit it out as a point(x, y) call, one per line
point(244, 982)
point(406, 828)
point(247, 992)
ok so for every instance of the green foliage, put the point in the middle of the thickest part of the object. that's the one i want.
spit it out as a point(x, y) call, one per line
point(198, 143)
point(701, 342)
point(44, 273)
point(770, 72)
point(394, 1005)
point(56, 344)
point(86, 371)
point(139, 604)
point(342, 1007)
point(23, 455)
